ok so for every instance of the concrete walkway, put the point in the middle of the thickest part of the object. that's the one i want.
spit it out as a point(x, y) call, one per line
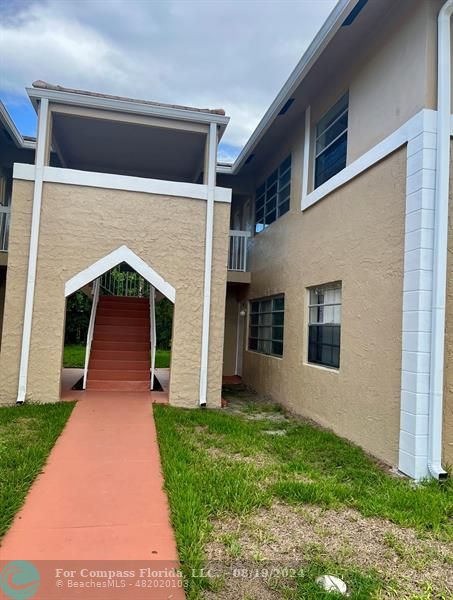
point(100, 496)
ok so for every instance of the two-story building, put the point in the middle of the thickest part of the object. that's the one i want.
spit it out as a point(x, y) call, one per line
point(316, 264)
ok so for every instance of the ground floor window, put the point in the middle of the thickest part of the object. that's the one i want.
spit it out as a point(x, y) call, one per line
point(266, 325)
point(324, 325)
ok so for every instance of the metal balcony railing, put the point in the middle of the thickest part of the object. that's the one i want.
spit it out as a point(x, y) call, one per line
point(237, 257)
point(123, 282)
point(5, 212)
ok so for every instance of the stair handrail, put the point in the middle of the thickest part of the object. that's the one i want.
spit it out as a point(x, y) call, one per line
point(152, 327)
point(95, 291)
point(131, 284)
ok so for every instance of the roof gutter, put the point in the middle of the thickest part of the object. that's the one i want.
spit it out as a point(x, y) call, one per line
point(440, 242)
point(311, 55)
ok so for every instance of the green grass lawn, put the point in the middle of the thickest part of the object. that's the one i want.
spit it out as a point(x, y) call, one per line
point(27, 434)
point(74, 357)
point(225, 475)
point(163, 359)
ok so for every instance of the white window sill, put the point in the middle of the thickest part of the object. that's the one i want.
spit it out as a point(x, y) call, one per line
point(265, 355)
point(321, 367)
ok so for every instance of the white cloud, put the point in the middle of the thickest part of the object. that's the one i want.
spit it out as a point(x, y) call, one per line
point(221, 53)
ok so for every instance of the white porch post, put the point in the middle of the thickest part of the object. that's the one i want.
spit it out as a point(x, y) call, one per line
point(40, 158)
point(211, 181)
point(152, 315)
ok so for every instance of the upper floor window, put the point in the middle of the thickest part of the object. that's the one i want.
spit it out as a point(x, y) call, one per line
point(272, 197)
point(324, 325)
point(266, 325)
point(331, 142)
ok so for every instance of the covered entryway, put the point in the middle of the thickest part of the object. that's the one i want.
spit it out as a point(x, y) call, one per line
point(122, 335)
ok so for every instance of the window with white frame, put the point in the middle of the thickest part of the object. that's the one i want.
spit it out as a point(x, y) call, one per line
point(331, 141)
point(272, 197)
point(324, 325)
point(266, 322)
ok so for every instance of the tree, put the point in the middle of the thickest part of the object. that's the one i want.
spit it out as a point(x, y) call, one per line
point(164, 323)
point(78, 309)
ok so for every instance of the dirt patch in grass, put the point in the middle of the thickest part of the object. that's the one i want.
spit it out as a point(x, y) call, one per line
point(285, 536)
point(258, 460)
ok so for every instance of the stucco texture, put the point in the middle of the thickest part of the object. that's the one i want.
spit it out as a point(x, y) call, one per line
point(230, 341)
point(80, 225)
point(356, 236)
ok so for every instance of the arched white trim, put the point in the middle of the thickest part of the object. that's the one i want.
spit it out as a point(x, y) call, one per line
point(122, 254)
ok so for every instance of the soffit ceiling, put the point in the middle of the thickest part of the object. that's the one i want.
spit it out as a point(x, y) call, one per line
point(127, 148)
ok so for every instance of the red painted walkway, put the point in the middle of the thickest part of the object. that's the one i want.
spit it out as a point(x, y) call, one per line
point(100, 496)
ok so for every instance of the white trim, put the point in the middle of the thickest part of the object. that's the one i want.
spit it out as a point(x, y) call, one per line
point(440, 246)
point(417, 291)
point(152, 327)
point(38, 169)
point(212, 154)
point(127, 106)
point(122, 182)
point(391, 143)
point(306, 161)
point(225, 169)
point(121, 254)
point(13, 131)
point(239, 341)
point(23, 171)
point(94, 307)
point(332, 24)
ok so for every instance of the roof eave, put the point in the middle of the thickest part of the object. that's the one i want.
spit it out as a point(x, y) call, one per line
point(13, 131)
point(311, 55)
point(179, 114)
point(225, 169)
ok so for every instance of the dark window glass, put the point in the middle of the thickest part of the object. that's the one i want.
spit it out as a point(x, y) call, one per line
point(321, 349)
point(331, 161)
point(273, 196)
point(331, 142)
point(324, 328)
point(266, 325)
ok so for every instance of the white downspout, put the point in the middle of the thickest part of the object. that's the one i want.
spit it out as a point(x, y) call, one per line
point(440, 241)
point(211, 175)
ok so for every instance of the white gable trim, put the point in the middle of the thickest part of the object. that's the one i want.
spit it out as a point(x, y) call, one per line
point(122, 254)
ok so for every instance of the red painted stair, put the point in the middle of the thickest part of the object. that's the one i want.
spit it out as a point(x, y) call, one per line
point(119, 359)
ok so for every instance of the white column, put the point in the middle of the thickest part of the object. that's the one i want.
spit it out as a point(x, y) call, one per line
point(152, 314)
point(211, 180)
point(40, 158)
point(417, 299)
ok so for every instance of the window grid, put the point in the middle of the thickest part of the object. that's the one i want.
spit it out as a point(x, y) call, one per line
point(324, 325)
point(266, 325)
point(331, 142)
point(273, 196)
point(326, 130)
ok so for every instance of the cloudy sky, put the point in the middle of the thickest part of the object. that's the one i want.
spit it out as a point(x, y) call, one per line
point(234, 54)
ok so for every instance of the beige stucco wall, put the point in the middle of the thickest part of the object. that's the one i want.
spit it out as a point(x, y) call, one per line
point(393, 77)
point(447, 437)
point(390, 75)
point(80, 225)
point(230, 340)
point(354, 235)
